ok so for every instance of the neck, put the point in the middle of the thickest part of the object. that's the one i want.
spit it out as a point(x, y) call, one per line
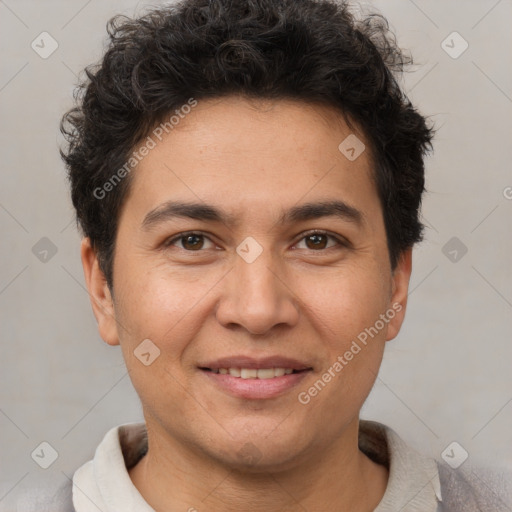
point(339, 478)
point(173, 477)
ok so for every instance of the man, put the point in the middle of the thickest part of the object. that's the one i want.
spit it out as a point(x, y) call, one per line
point(247, 177)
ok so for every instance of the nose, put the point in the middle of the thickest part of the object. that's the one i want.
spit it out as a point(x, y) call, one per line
point(257, 296)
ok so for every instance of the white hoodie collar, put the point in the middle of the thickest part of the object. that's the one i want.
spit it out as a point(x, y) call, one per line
point(104, 485)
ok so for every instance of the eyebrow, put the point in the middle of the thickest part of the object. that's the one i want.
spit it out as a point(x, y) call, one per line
point(205, 212)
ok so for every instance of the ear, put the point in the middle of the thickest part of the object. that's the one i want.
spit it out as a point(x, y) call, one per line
point(400, 289)
point(99, 293)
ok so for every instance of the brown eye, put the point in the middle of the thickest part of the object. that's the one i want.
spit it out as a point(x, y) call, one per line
point(317, 241)
point(192, 242)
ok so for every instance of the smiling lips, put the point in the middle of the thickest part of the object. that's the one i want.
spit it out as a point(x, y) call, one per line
point(250, 378)
point(253, 373)
point(251, 368)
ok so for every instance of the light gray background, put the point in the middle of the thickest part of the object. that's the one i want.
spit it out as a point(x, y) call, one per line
point(448, 375)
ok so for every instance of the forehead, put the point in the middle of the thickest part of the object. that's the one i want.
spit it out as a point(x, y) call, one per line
point(239, 153)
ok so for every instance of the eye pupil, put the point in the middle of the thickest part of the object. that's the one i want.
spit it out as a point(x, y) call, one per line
point(194, 245)
point(317, 243)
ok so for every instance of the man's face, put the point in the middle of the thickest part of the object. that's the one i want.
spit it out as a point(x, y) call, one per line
point(254, 290)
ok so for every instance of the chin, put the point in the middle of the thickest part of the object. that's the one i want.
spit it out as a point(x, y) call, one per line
point(258, 452)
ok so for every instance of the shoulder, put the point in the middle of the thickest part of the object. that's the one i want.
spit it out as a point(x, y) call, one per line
point(475, 489)
point(45, 496)
point(63, 500)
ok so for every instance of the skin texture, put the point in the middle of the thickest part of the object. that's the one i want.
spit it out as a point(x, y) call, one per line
point(252, 159)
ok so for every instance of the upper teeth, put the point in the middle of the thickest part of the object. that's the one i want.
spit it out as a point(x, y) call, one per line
point(253, 373)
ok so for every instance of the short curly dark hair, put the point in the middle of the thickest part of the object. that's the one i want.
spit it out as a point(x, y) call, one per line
point(307, 50)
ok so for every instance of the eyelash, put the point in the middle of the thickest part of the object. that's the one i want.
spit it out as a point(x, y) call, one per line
point(339, 241)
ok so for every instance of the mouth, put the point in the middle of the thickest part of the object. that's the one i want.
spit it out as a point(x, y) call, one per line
point(253, 379)
point(254, 373)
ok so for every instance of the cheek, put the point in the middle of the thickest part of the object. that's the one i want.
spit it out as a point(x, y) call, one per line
point(346, 303)
point(157, 306)
point(162, 311)
point(347, 318)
